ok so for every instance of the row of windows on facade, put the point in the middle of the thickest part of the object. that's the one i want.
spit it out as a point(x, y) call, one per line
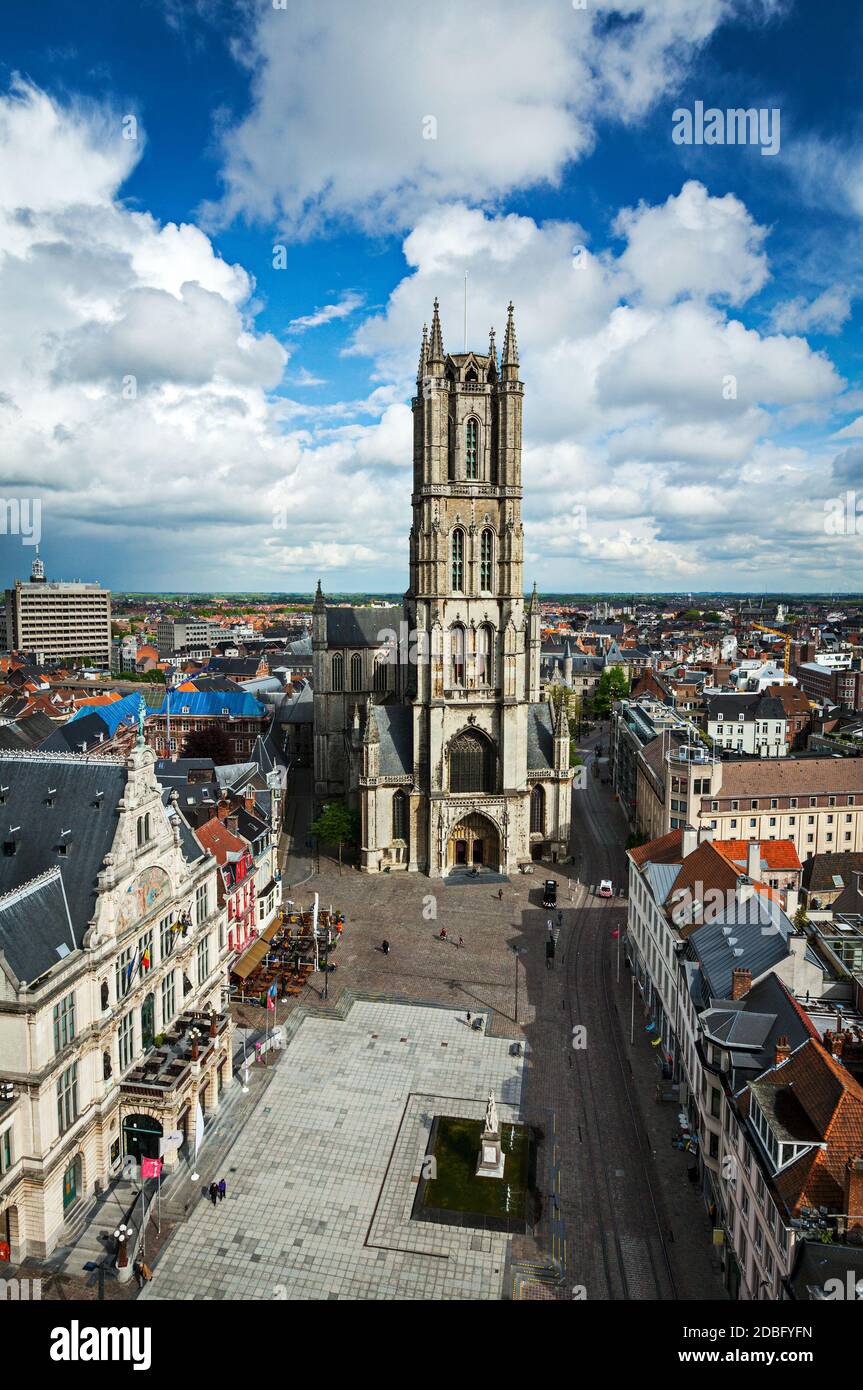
point(458, 651)
point(64, 1028)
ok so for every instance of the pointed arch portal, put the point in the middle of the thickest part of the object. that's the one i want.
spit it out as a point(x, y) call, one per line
point(474, 843)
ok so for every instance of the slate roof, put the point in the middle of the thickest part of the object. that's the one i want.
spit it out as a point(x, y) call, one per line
point(744, 709)
point(747, 944)
point(36, 929)
point(361, 627)
point(91, 730)
point(28, 732)
point(821, 870)
point(92, 820)
point(395, 734)
point(753, 1025)
point(540, 737)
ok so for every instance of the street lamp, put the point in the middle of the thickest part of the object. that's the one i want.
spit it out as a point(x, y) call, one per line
point(194, 1038)
point(122, 1236)
point(7, 1091)
point(516, 950)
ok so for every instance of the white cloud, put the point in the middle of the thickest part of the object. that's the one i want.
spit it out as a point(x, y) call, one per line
point(693, 246)
point(825, 314)
point(330, 313)
point(330, 136)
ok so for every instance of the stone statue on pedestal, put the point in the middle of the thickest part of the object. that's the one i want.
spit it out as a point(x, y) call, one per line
point(490, 1163)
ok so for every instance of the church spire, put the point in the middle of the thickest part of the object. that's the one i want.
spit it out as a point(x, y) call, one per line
point(424, 352)
point(534, 600)
point(436, 352)
point(509, 360)
point(492, 349)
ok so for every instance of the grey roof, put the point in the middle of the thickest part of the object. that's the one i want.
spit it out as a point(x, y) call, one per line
point(298, 708)
point(84, 801)
point(755, 939)
point(90, 729)
point(745, 708)
point(28, 732)
point(540, 738)
point(302, 646)
point(361, 627)
point(395, 731)
point(661, 878)
point(191, 847)
point(36, 930)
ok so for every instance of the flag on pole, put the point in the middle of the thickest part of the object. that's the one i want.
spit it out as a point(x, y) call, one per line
point(145, 960)
point(615, 934)
point(151, 1167)
point(271, 996)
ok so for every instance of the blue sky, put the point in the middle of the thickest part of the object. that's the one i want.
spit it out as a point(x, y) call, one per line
point(191, 416)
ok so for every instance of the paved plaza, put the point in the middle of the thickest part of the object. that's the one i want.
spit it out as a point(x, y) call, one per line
point(322, 1178)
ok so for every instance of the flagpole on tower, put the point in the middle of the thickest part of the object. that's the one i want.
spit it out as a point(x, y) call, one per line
point(465, 311)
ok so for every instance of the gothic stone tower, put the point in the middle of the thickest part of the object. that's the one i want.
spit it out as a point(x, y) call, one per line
point(476, 705)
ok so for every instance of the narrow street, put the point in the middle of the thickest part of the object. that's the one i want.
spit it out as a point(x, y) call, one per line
point(624, 1221)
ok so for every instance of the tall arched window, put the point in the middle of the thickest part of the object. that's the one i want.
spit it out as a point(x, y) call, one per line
point(338, 670)
point(458, 561)
point(456, 638)
point(537, 811)
point(486, 546)
point(450, 449)
point(471, 763)
point(484, 667)
point(356, 672)
point(471, 449)
point(400, 816)
point(381, 672)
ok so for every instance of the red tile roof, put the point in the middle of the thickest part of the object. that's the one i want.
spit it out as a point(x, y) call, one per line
point(778, 854)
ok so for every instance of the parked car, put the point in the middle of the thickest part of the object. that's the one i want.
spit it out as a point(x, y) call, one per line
point(605, 888)
point(549, 893)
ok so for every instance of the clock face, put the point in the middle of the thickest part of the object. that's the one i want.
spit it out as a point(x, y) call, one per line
point(146, 892)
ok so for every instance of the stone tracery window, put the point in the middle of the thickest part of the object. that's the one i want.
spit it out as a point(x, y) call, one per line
point(400, 816)
point(356, 672)
point(484, 648)
point(338, 669)
point(471, 449)
point(458, 561)
point(485, 558)
point(472, 763)
point(537, 811)
point(456, 638)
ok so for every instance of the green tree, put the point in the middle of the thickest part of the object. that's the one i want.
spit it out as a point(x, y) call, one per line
point(337, 825)
point(613, 685)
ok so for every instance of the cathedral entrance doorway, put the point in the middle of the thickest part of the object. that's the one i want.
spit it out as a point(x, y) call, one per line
point(474, 841)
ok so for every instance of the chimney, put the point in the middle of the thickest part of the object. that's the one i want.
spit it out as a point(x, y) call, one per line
point(753, 861)
point(854, 1192)
point(792, 901)
point(741, 982)
point(232, 823)
point(690, 840)
point(250, 802)
point(783, 1049)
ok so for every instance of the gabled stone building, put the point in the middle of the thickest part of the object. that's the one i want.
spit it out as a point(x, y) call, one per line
point(428, 716)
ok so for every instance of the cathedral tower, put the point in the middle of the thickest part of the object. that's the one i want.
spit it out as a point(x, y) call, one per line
point(476, 671)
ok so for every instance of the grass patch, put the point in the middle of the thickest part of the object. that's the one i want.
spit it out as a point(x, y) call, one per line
point(456, 1188)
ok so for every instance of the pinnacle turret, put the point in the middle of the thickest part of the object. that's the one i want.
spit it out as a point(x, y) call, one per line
point(424, 353)
point(436, 352)
point(509, 360)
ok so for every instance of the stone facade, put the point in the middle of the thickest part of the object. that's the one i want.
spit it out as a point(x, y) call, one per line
point(140, 949)
point(429, 716)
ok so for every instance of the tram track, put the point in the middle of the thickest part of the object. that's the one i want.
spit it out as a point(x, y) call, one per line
point(634, 1260)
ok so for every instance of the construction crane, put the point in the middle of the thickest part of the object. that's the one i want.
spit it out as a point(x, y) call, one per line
point(786, 638)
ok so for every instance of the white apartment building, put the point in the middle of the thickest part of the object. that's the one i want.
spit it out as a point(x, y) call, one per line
point(750, 723)
point(61, 622)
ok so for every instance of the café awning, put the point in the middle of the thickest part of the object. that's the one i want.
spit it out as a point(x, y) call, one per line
point(251, 958)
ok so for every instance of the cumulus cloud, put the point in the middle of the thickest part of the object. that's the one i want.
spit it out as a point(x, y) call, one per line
point(379, 140)
point(825, 314)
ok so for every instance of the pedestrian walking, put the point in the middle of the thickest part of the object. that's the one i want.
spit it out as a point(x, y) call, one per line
point(138, 1272)
point(223, 1188)
point(461, 941)
point(500, 895)
point(560, 919)
point(385, 947)
point(214, 1192)
point(468, 1016)
point(442, 934)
